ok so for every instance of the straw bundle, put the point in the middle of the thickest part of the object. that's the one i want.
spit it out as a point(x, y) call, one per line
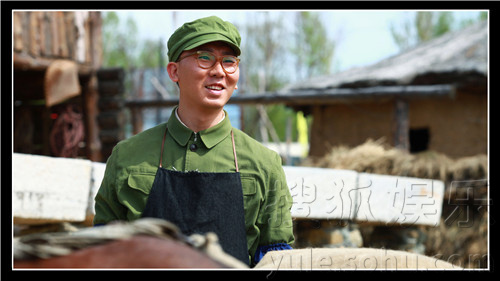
point(379, 158)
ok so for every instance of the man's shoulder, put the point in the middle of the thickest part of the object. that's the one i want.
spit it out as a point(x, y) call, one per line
point(143, 147)
point(151, 136)
point(252, 145)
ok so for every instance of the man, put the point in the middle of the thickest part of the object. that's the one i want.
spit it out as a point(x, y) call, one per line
point(195, 170)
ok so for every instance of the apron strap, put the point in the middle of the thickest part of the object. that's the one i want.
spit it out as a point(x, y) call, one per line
point(232, 140)
point(234, 152)
point(162, 144)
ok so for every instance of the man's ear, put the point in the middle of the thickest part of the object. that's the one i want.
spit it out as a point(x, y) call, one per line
point(172, 68)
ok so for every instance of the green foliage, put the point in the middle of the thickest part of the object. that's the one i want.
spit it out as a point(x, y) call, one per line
point(426, 26)
point(272, 58)
point(313, 49)
point(122, 48)
point(118, 46)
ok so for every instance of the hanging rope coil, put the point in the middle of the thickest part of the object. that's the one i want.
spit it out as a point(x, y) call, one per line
point(67, 133)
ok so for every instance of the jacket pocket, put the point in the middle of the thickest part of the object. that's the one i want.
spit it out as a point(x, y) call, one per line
point(135, 193)
point(248, 184)
point(142, 182)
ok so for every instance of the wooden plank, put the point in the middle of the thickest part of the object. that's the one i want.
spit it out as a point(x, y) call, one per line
point(395, 200)
point(332, 194)
point(23, 61)
point(49, 189)
point(61, 30)
point(34, 34)
point(54, 33)
point(41, 34)
point(320, 193)
point(18, 31)
point(69, 21)
point(47, 31)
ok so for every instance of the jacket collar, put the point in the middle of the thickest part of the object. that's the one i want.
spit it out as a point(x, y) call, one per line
point(210, 137)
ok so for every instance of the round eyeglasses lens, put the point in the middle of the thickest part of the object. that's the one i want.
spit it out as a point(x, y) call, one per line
point(208, 60)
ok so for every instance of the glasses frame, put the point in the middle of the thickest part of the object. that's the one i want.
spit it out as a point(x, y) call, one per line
point(218, 59)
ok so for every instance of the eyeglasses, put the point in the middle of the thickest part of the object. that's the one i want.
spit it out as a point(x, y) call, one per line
point(207, 60)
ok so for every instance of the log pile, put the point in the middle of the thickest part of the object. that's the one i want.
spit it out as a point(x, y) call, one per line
point(40, 35)
point(111, 117)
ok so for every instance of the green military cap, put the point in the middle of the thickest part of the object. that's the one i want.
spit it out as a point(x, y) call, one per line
point(201, 31)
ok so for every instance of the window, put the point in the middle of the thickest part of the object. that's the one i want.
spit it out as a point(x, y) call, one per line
point(419, 139)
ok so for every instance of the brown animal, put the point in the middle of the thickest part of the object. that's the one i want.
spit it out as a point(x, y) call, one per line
point(144, 243)
point(137, 252)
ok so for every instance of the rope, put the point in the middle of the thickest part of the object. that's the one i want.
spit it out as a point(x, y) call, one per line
point(46, 245)
point(67, 133)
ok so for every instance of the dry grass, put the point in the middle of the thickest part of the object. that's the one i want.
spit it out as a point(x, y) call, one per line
point(379, 158)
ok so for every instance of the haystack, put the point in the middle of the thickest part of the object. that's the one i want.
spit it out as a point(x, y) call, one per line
point(376, 156)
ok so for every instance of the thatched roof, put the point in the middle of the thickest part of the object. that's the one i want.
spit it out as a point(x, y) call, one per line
point(430, 69)
point(438, 61)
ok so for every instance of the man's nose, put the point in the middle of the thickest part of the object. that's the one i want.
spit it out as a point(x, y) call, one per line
point(217, 70)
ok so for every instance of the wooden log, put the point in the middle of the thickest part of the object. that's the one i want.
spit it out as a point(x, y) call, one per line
point(61, 31)
point(40, 30)
point(110, 103)
point(111, 88)
point(69, 22)
point(18, 31)
point(90, 98)
point(23, 61)
point(111, 73)
point(47, 31)
point(34, 34)
point(54, 33)
point(26, 34)
point(111, 136)
point(96, 39)
point(111, 119)
point(88, 40)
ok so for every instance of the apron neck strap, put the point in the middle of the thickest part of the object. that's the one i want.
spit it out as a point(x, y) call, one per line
point(234, 152)
point(232, 140)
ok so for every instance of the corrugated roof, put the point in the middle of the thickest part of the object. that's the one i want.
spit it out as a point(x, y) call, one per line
point(459, 52)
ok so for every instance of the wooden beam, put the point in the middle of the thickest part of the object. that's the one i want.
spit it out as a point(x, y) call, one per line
point(23, 62)
point(322, 97)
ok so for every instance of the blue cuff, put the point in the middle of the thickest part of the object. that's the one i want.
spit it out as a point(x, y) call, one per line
point(262, 250)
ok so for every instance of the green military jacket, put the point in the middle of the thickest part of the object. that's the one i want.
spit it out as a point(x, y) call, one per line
point(131, 169)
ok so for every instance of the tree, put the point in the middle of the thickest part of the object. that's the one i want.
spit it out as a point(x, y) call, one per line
point(313, 50)
point(426, 26)
point(119, 47)
point(271, 59)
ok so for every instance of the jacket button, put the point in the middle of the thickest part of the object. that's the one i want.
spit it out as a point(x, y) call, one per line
point(193, 147)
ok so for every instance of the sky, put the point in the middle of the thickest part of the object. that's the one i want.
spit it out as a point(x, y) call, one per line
point(362, 36)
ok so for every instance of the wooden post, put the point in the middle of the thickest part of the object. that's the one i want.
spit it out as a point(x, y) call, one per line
point(401, 124)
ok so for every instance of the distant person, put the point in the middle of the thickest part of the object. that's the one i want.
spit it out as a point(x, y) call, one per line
point(196, 170)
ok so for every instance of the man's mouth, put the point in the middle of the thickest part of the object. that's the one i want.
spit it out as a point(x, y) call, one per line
point(215, 87)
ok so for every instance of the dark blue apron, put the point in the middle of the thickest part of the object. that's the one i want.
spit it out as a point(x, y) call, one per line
point(202, 202)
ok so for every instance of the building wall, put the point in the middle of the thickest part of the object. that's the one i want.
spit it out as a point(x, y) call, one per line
point(457, 127)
